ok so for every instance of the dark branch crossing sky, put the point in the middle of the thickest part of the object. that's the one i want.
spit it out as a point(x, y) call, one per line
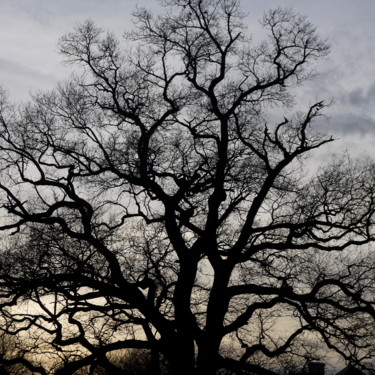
point(30, 29)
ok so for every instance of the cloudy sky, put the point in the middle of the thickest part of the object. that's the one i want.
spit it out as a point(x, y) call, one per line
point(30, 29)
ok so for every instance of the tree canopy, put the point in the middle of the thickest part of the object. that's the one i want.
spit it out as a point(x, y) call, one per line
point(156, 200)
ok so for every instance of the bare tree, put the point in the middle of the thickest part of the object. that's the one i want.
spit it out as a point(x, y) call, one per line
point(155, 203)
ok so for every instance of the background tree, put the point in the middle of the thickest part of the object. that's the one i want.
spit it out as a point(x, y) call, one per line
point(15, 356)
point(155, 202)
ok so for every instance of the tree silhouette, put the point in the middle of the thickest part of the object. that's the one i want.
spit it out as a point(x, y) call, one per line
point(153, 202)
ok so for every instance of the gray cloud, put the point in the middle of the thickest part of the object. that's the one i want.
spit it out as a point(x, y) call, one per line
point(361, 98)
point(29, 31)
point(21, 70)
point(351, 123)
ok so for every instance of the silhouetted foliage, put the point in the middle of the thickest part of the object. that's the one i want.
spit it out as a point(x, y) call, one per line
point(156, 204)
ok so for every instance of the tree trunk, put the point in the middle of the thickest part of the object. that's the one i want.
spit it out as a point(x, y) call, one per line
point(208, 351)
point(208, 359)
point(181, 360)
point(181, 351)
